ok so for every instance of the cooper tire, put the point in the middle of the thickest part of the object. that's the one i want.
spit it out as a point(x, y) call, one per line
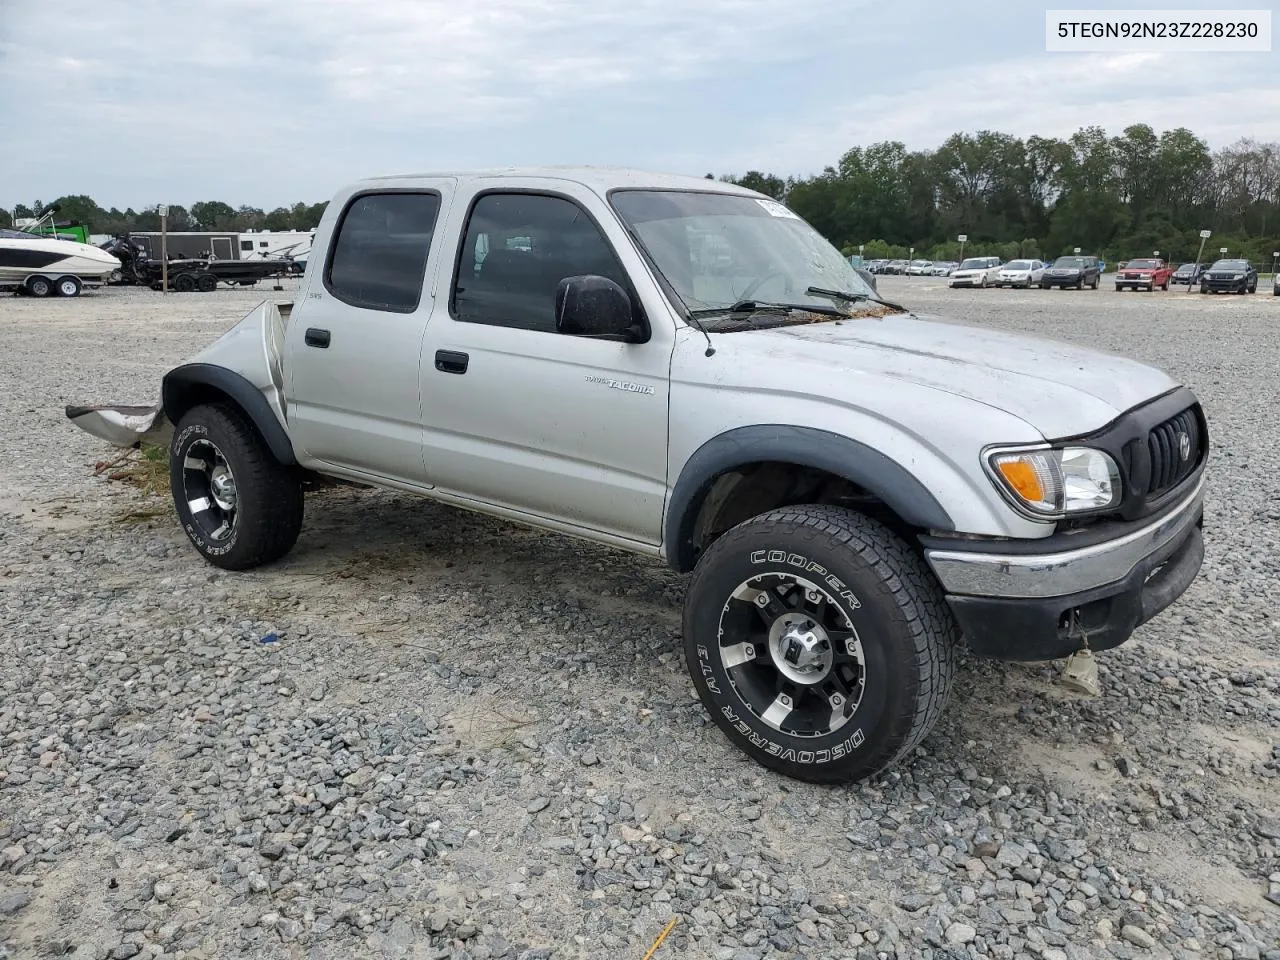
point(890, 654)
point(255, 519)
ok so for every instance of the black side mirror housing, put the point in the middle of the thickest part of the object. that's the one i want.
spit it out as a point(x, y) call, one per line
point(596, 307)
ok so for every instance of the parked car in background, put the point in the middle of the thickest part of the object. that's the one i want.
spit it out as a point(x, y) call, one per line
point(919, 268)
point(895, 266)
point(1230, 276)
point(877, 266)
point(1074, 271)
point(1020, 273)
point(943, 268)
point(1188, 274)
point(976, 272)
point(1144, 274)
point(1275, 285)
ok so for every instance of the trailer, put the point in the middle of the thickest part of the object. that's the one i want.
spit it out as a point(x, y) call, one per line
point(201, 274)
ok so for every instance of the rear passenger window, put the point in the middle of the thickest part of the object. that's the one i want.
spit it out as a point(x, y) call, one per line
point(517, 249)
point(378, 258)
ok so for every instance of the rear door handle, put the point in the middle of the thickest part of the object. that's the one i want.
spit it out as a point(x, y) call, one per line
point(316, 337)
point(451, 361)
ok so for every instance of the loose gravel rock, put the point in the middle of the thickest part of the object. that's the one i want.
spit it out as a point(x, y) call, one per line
point(465, 739)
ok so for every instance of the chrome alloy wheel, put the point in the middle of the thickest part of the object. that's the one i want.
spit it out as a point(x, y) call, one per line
point(209, 487)
point(792, 655)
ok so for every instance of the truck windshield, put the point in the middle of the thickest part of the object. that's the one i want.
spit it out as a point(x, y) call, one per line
point(717, 250)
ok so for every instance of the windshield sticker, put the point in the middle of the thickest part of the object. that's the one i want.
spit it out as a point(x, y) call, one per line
point(776, 209)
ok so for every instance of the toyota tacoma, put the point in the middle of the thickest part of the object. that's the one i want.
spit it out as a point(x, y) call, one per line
point(687, 370)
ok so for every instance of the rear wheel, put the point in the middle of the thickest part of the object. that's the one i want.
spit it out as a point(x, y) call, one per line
point(39, 286)
point(821, 645)
point(184, 283)
point(68, 286)
point(206, 283)
point(239, 506)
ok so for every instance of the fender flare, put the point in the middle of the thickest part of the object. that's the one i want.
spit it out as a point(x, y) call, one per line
point(803, 446)
point(180, 383)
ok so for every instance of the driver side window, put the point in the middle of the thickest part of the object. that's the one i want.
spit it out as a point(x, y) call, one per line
point(516, 250)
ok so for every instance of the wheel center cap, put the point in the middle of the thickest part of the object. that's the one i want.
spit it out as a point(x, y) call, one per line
point(800, 649)
point(223, 486)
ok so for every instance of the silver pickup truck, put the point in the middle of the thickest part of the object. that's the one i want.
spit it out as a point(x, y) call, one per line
point(685, 369)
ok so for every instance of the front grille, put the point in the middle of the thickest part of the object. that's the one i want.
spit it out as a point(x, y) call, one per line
point(1172, 457)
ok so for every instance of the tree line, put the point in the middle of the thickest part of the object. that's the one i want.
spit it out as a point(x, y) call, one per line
point(205, 215)
point(1115, 197)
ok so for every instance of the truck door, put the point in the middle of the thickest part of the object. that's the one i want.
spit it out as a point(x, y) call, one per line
point(355, 341)
point(517, 415)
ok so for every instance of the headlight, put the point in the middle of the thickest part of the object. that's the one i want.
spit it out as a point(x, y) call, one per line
point(1144, 276)
point(1053, 483)
point(1237, 276)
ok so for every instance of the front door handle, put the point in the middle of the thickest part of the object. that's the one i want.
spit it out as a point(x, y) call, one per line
point(451, 361)
point(315, 337)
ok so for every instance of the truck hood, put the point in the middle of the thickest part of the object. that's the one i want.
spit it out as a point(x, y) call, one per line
point(1059, 389)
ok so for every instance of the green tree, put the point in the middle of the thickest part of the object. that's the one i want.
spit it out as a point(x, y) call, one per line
point(213, 215)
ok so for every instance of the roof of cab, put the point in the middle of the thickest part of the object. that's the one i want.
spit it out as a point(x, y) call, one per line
point(600, 179)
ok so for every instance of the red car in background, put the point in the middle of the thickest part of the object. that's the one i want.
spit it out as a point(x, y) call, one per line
point(1145, 274)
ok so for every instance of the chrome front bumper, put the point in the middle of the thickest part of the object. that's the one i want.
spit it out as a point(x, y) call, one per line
point(1038, 576)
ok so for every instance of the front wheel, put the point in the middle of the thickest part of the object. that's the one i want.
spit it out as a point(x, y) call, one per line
point(39, 286)
point(239, 506)
point(821, 645)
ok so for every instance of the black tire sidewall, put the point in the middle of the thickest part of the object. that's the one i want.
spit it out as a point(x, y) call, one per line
point(191, 430)
point(877, 728)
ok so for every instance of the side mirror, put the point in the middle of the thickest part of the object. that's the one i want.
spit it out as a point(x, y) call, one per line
point(595, 306)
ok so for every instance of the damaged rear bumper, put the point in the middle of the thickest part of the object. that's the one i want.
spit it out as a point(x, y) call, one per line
point(123, 425)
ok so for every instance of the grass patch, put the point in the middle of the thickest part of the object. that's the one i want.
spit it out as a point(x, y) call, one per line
point(146, 469)
point(145, 466)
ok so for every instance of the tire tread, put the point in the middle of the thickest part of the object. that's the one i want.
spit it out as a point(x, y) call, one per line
point(910, 585)
point(258, 470)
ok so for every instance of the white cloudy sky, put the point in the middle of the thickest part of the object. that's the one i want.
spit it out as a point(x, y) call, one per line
point(268, 102)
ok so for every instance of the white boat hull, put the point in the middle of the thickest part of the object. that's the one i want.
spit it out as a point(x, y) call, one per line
point(26, 255)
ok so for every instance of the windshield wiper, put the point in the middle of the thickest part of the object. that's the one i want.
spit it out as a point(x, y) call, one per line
point(852, 297)
point(760, 306)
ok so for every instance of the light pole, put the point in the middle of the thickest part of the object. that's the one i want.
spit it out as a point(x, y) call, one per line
point(1275, 255)
point(163, 210)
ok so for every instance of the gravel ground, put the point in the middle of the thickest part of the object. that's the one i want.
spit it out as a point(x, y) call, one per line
point(430, 734)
